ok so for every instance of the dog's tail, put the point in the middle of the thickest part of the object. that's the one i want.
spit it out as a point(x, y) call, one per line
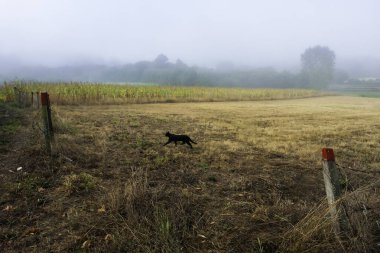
point(193, 141)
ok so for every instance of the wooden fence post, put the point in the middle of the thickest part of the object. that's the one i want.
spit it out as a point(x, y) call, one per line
point(38, 99)
point(333, 188)
point(17, 96)
point(46, 117)
point(24, 99)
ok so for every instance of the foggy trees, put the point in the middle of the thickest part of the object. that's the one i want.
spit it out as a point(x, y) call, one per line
point(161, 60)
point(340, 76)
point(318, 66)
point(317, 72)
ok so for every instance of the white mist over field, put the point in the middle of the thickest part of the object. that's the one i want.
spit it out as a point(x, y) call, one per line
point(242, 32)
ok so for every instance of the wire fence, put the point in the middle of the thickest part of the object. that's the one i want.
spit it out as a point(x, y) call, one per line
point(38, 100)
point(27, 99)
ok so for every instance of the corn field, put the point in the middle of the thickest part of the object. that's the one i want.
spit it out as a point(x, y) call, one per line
point(76, 93)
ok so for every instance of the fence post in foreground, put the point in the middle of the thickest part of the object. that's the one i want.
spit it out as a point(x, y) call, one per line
point(38, 99)
point(17, 96)
point(46, 117)
point(332, 186)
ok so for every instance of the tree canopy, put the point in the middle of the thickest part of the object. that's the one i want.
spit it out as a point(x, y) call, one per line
point(318, 65)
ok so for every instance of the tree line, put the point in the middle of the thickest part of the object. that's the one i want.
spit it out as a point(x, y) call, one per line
point(318, 71)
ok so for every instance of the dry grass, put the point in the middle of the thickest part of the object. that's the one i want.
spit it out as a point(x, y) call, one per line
point(314, 233)
point(77, 183)
point(252, 184)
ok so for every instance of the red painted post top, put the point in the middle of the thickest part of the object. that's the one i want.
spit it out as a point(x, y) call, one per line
point(328, 154)
point(44, 98)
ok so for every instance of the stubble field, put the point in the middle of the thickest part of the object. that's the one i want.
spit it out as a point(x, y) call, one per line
point(253, 183)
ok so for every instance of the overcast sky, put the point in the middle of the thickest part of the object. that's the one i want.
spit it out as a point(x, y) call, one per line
point(201, 32)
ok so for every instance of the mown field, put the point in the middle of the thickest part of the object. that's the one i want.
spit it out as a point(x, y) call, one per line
point(253, 183)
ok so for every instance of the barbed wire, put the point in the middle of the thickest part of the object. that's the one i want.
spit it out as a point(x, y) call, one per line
point(36, 120)
point(340, 167)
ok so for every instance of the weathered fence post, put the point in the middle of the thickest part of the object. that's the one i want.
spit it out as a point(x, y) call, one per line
point(24, 99)
point(32, 104)
point(46, 116)
point(38, 99)
point(333, 188)
point(17, 96)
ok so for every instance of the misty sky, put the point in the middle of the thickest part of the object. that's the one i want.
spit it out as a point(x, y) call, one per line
point(201, 32)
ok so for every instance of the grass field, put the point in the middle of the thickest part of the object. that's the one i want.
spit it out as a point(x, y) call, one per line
point(370, 94)
point(253, 183)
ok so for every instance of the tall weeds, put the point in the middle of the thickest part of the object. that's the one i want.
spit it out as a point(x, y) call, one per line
point(96, 93)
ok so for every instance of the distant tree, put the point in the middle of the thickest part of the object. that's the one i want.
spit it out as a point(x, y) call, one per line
point(179, 63)
point(161, 60)
point(318, 66)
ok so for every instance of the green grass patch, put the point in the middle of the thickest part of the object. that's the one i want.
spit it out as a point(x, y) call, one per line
point(368, 94)
point(77, 183)
point(28, 184)
point(10, 126)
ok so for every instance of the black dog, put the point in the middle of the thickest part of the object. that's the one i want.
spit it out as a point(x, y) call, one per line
point(184, 138)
